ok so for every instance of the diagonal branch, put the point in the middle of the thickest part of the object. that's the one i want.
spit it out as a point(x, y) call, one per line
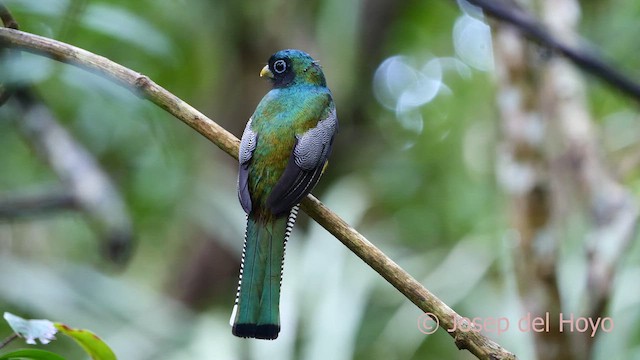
point(481, 346)
point(90, 188)
point(584, 59)
point(30, 205)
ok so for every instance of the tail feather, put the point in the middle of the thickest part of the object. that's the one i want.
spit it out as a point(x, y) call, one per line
point(256, 312)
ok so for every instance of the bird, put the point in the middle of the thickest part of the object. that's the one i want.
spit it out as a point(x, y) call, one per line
point(283, 152)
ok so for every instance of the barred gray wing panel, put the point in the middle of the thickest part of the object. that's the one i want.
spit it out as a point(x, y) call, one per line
point(247, 146)
point(313, 147)
point(305, 166)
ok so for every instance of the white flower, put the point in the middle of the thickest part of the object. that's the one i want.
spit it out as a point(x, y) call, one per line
point(31, 330)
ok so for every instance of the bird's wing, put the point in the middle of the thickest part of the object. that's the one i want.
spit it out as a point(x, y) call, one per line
point(247, 145)
point(305, 165)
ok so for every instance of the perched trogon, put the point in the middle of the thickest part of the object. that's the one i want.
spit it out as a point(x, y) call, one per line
point(283, 152)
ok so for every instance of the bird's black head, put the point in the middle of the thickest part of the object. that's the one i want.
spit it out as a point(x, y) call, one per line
point(293, 67)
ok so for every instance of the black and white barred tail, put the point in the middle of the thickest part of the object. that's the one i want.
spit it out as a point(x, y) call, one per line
point(256, 309)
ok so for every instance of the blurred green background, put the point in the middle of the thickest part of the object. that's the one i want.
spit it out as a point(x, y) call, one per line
point(413, 169)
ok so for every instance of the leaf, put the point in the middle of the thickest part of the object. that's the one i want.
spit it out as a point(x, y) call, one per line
point(90, 342)
point(31, 330)
point(31, 354)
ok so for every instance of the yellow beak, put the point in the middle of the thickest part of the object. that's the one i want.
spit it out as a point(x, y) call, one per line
point(265, 72)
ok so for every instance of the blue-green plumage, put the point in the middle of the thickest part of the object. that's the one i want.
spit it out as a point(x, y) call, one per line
point(283, 152)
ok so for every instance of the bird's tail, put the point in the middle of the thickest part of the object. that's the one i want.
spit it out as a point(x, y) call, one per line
point(256, 313)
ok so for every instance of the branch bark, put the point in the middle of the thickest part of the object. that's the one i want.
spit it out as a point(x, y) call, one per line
point(481, 346)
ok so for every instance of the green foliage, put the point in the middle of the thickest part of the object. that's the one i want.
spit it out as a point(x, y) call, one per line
point(31, 354)
point(90, 342)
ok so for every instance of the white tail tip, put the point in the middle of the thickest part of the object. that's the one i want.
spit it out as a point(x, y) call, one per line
point(233, 314)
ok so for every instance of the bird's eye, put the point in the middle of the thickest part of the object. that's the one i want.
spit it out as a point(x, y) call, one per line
point(279, 66)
